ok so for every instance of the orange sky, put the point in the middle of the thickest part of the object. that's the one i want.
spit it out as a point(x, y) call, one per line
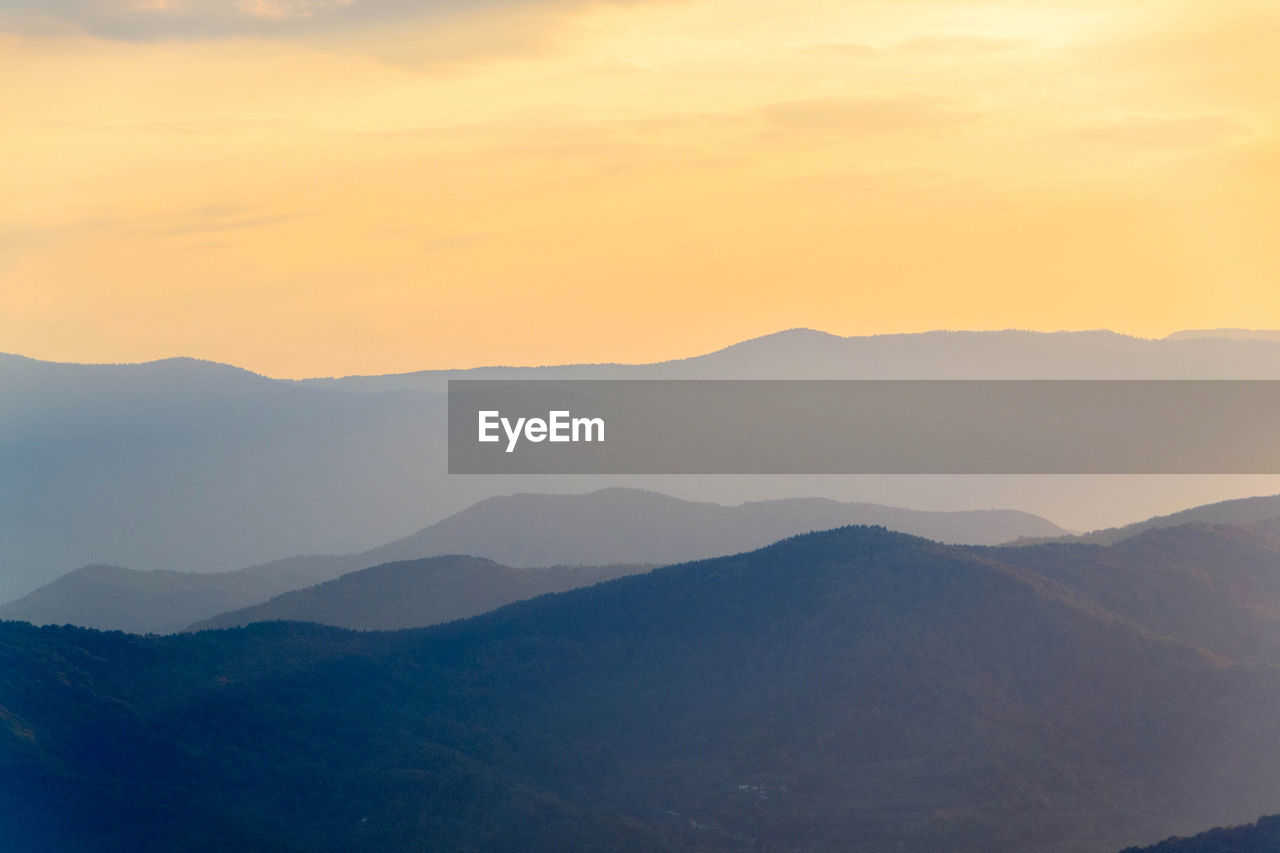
point(315, 187)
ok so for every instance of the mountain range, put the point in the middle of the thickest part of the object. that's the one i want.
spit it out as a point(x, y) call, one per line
point(525, 530)
point(854, 689)
point(594, 535)
point(1260, 837)
point(813, 354)
point(1238, 511)
point(1216, 587)
point(192, 466)
point(416, 593)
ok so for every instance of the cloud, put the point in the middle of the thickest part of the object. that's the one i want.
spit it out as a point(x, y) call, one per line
point(205, 219)
point(223, 217)
point(870, 114)
point(842, 48)
point(152, 19)
point(1228, 35)
point(285, 10)
point(1161, 131)
point(963, 44)
point(143, 20)
point(930, 45)
point(202, 126)
point(28, 236)
point(454, 241)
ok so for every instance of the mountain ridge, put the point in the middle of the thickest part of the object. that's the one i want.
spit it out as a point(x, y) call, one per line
point(523, 531)
point(185, 464)
point(416, 593)
point(854, 689)
point(1212, 587)
point(1250, 510)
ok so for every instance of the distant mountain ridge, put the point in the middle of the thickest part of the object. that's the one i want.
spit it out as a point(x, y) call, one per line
point(944, 354)
point(1241, 511)
point(416, 593)
point(1233, 334)
point(1215, 587)
point(617, 525)
point(191, 465)
point(611, 526)
point(121, 599)
point(600, 530)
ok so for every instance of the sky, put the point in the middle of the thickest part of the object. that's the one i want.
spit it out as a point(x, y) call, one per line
point(327, 187)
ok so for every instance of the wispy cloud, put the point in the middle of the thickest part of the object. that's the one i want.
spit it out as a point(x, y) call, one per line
point(224, 217)
point(201, 126)
point(1161, 131)
point(453, 241)
point(961, 44)
point(285, 10)
point(939, 44)
point(871, 114)
point(142, 20)
point(151, 19)
point(205, 219)
point(842, 48)
point(32, 236)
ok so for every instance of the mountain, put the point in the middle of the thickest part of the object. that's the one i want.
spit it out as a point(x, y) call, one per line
point(600, 528)
point(632, 525)
point(116, 598)
point(194, 466)
point(1234, 334)
point(113, 598)
point(812, 354)
point(1216, 587)
point(1241, 511)
point(854, 689)
point(416, 593)
point(1260, 837)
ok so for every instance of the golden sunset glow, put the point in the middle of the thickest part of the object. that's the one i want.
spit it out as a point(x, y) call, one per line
point(307, 188)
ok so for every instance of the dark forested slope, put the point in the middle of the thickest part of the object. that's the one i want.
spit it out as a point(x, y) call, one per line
point(1260, 837)
point(849, 690)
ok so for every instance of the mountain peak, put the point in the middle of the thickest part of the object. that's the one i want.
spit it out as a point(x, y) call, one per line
point(1225, 334)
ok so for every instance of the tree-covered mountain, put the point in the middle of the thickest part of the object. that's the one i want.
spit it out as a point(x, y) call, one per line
point(855, 690)
point(416, 593)
point(609, 526)
point(1263, 836)
point(1216, 587)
